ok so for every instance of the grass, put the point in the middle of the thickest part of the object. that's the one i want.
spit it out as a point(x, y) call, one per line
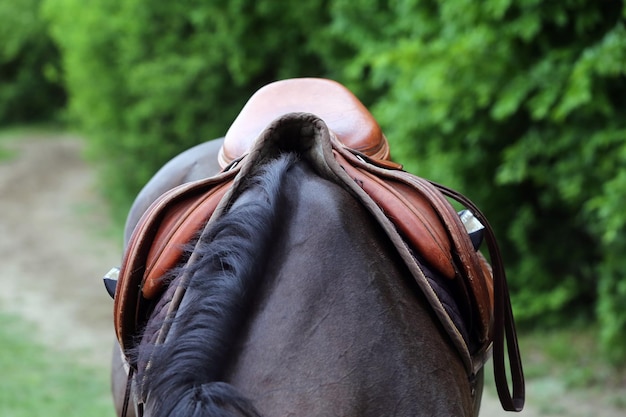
point(6, 154)
point(571, 355)
point(564, 365)
point(11, 133)
point(37, 380)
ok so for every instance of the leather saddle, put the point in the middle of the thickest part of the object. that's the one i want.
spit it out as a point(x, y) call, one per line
point(340, 136)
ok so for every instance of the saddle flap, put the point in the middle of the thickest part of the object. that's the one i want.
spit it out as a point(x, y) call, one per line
point(344, 114)
point(432, 228)
point(157, 245)
point(411, 213)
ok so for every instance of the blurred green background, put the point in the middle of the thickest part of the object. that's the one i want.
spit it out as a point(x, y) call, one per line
point(518, 104)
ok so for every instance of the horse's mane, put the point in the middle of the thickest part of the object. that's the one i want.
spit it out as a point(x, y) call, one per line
point(187, 368)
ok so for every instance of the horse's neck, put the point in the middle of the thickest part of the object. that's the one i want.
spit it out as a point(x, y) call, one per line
point(338, 328)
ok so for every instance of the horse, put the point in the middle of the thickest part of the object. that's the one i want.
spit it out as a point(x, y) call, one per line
point(290, 295)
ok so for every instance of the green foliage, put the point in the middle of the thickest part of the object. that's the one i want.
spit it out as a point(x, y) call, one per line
point(519, 104)
point(30, 86)
point(39, 381)
point(159, 77)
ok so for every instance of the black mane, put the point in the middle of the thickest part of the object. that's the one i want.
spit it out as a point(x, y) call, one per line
point(185, 371)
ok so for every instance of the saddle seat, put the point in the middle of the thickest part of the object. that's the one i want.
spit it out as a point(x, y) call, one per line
point(353, 125)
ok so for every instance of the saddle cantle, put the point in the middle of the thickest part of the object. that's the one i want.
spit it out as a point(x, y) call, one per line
point(345, 115)
point(414, 213)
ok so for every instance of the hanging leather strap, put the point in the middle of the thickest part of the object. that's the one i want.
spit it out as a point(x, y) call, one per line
point(504, 323)
point(127, 392)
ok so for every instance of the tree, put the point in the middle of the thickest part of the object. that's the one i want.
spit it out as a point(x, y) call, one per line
point(158, 77)
point(31, 88)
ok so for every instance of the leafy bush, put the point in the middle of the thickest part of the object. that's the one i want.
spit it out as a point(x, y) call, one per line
point(521, 104)
point(158, 77)
point(30, 86)
point(518, 104)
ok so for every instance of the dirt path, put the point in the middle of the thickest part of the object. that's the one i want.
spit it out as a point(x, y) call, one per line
point(52, 260)
point(53, 256)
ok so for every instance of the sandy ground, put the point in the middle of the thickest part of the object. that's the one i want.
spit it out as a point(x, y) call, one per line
point(53, 254)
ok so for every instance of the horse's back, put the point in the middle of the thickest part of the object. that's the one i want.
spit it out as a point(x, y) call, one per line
point(195, 163)
point(340, 328)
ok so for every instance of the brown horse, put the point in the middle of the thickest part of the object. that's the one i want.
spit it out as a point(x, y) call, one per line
point(292, 300)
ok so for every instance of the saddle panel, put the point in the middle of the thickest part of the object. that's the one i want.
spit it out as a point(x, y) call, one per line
point(344, 114)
